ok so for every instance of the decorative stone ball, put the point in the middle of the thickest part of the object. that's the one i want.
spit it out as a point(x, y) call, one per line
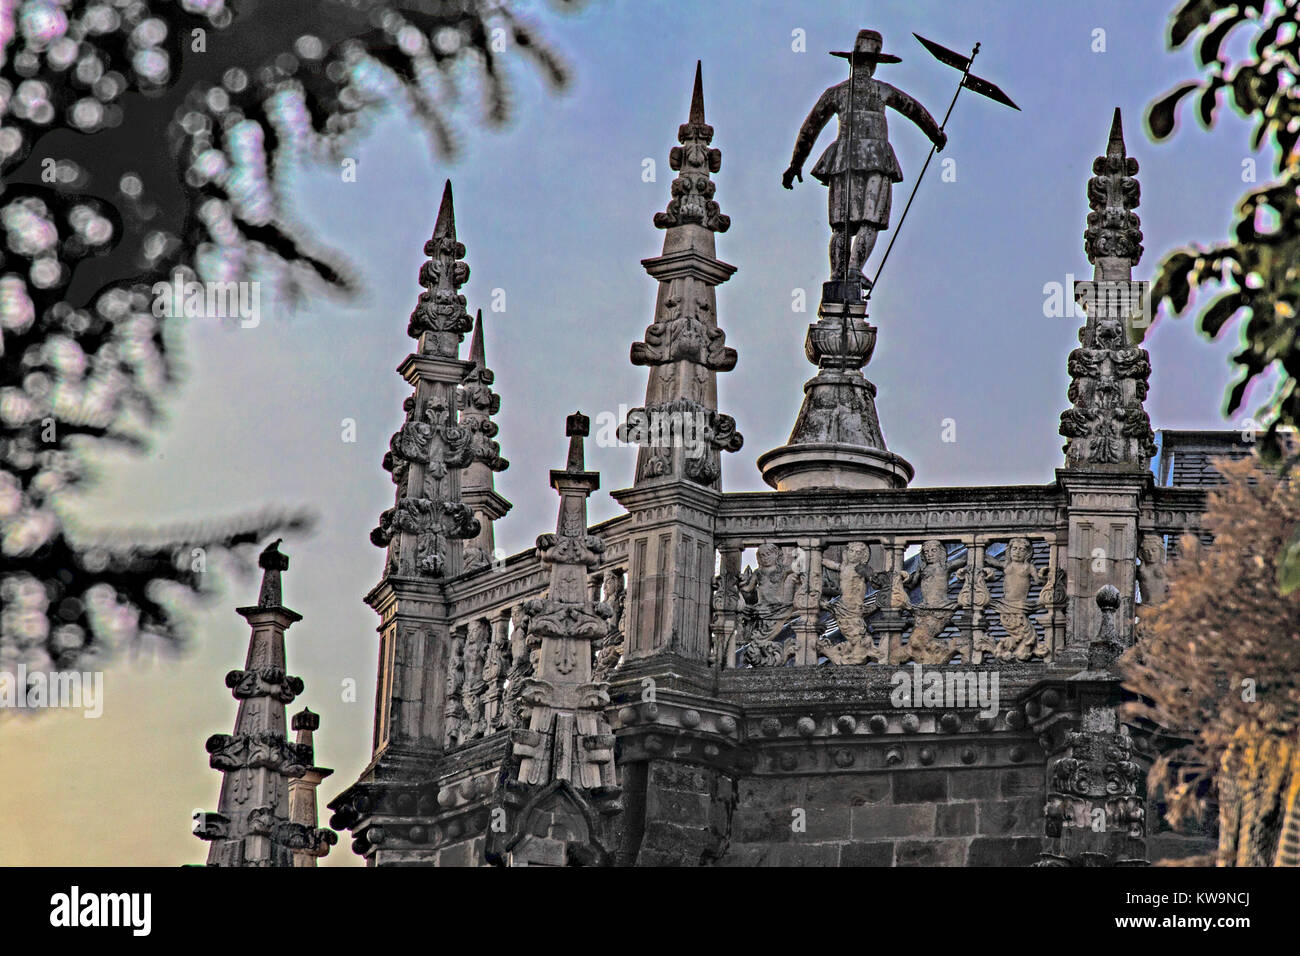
point(771, 726)
point(950, 722)
point(788, 760)
point(1033, 708)
point(650, 711)
point(627, 716)
point(986, 724)
point(846, 723)
point(361, 802)
point(1015, 719)
point(690, 718)
point(376, 836)
point(1052, 698)
point(806, 726)
point(894, 756)
point(968, 755)
point(1108, 597)
point(654, 744)
point(878, 724)
point(727, 724)
point(447, 797)
point(843, 757)
point(482, 785)
point(418, 834)
point(711, 750)
point(405, 802)
point(1017, 754)
point(911, 723)
point(926, 756)
point(454, 829)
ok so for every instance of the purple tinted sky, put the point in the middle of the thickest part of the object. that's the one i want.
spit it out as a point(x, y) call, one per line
point(554, 212)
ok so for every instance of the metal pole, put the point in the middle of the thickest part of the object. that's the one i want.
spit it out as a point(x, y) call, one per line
point(902, 218)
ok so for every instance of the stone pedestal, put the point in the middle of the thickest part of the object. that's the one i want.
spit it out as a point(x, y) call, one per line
point(836, 441)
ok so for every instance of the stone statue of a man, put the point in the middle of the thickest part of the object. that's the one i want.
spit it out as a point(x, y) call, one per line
point(861, 176)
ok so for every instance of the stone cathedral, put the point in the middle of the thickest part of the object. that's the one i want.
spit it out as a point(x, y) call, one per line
point(841, 671)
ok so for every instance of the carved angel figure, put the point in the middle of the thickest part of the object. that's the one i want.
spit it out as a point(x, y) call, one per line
point(853, 607)
point(1019, 575)
point(769, 606)
point(935, 611)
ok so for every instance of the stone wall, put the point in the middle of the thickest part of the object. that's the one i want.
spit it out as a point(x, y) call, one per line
point(967, 817)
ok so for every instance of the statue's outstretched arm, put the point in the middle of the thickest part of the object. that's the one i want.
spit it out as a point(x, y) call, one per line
point(915, 112)
point(812, 127)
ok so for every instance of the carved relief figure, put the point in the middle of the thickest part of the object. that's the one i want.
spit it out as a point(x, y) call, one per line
point(609, 650)
point(1152, 575)
point(852, 609)
point(769, 606)
point(455, 723)
point(476, 646)
point(1019, 575)
point(934, 612)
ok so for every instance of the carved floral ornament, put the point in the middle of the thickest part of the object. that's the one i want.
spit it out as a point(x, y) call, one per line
point(862, 602)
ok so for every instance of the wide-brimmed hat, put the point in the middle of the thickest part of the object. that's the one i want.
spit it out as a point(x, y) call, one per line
point(867, 48)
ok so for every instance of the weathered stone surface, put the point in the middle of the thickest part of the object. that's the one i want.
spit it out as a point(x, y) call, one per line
point(867, 854)
point(873, 823)
point(921, 786)
point(1003, 851)
point(955, 819)
point(930, 853)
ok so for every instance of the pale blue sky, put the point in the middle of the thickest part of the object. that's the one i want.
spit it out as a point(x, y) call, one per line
point(554, 211)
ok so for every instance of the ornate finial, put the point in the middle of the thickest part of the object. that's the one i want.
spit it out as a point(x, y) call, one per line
point(577, 426)
point(272, 563)
point(1106, 647)
point(478, 403)
point(440, 320)
point(693, 161)
point(1113, 228)
point(305, 719)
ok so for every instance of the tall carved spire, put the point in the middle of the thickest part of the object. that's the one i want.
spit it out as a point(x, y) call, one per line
point(1108, 428)
point(680, 430)
point(425, 530)
point(252, 825)
point(561, 768)
point(478, 403)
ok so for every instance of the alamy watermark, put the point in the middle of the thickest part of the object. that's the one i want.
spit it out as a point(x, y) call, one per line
point(20, 690)
point(1122, 299)
point(180, 298)
point(947, 689)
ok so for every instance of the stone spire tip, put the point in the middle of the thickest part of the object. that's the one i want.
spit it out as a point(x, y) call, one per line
point(697, 98)
point(1115, 146)
point(446, 223)
point(306, 719)
point(477, 354)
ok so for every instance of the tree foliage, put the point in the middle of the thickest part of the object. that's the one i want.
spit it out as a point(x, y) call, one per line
point(1218, 662)
point(142, 140)
point(1256, 272)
